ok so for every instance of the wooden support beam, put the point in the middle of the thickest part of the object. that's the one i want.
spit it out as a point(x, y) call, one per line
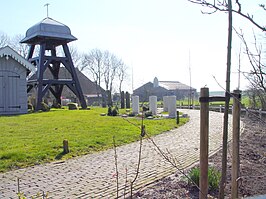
point(236, 132)
point(204, 143)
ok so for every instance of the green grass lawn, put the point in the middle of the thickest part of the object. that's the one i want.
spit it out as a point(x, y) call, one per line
point(37, 138)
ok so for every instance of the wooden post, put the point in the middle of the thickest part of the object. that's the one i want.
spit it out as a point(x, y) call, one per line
point(204, 142)
point(236, 131)
point(177, 117)
point(65, 147)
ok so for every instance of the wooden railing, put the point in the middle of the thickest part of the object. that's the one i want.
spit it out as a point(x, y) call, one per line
point(244, 111)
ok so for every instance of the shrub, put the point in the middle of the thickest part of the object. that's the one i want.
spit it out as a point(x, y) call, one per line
point(56, 105)
point(214, 177)
point(194, 174)
point(115, 111)
point(30, 107)
point(112, 111)
point(148, 114)
point(145, 108)
point(72, 106)
point(109, 112)
point(44, 107)
point(131, 114)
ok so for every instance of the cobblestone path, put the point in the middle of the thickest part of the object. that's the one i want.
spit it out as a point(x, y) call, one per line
point(93, 176)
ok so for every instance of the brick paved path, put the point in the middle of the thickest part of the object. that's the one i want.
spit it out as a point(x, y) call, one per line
point(93, 176)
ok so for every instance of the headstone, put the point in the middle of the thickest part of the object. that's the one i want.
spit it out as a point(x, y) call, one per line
point(122, 99)
point(109, 98)
point(172, 106)
point(104, 97)
point(127, 100)
point(135, 104)
point(165, 103)
point(153, 104)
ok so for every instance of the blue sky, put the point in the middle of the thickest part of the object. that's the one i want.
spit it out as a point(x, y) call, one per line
point(153, 37)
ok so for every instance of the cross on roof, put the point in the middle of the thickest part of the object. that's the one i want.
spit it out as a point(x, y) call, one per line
point(47, 8)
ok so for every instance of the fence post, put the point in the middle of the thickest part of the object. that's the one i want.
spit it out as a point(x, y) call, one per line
point(204, 141)
point(236, 131)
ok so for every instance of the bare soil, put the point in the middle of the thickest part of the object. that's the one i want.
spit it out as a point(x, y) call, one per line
point(252, 169)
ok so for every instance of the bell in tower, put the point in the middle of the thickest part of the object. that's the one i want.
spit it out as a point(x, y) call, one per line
point(49, 35)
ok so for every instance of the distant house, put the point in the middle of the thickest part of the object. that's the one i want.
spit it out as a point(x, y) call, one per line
point(13, 87)
point(92, 92)
point(164, 88)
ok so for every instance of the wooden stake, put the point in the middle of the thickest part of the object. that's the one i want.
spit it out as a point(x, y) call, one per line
point(236, 131)
point(65, 147)
point(204, 142)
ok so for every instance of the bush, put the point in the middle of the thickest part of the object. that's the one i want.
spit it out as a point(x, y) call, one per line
point(131, 114)
point(194, 174)
point(109, 112)
point(56, 105)
point(214, 177)
point(44, 107)
point(112, 111)
point(30, 107)
point(145, 108)
point(148, 114)
point(72, 106)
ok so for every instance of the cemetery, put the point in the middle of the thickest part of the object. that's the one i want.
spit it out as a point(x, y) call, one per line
point(80, 150)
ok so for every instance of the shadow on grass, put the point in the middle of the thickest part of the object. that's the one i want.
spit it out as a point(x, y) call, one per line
point(60, 155)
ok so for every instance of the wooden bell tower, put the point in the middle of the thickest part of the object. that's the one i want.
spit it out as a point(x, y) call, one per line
point(49, 35)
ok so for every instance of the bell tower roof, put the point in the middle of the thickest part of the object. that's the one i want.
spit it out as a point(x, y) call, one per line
point(48, 29)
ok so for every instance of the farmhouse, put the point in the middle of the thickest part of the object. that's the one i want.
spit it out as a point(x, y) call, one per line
point(164, 88)
point(13, 86)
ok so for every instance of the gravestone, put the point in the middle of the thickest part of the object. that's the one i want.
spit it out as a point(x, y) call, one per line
point(135, 104)
point(153, 104)
point(122, 99)
point(127, 100)
point(109, 98)
point(165, 103)
point(172, 106)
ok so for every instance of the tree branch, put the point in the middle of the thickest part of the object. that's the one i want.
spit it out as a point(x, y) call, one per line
point(223, 7)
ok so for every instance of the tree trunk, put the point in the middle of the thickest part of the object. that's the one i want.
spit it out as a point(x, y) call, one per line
point(227, 100)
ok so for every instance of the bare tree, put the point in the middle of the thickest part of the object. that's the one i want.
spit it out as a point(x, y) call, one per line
point(94, 63)
point(222, 5)
point(111, 63)
point(122, 74)
point(76, 57)
point(257, 74)
point(22, 49)
point(14, 43)
point(4, 39)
